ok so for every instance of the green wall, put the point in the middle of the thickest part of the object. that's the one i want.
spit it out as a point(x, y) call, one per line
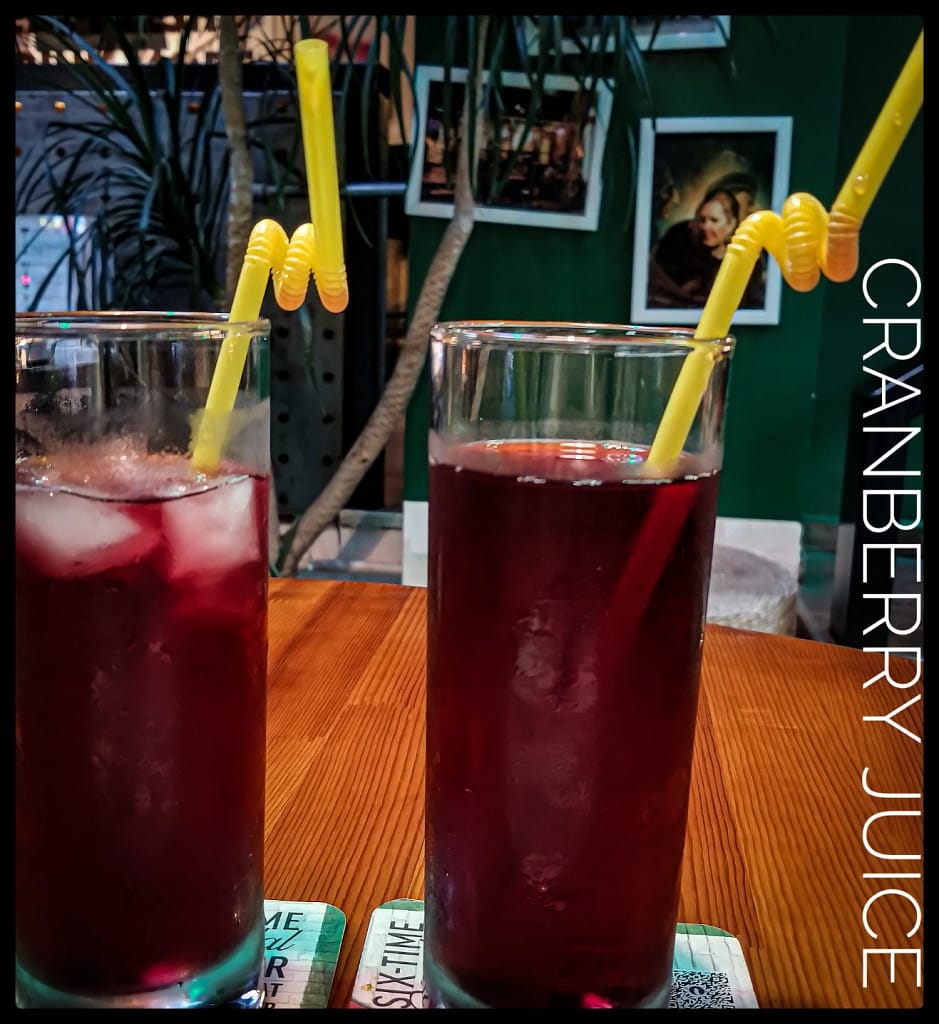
point(877, 48)
point(790, 384)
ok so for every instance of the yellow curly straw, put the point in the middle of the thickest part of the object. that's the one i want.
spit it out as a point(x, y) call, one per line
point(804, 241)
point(315, 248)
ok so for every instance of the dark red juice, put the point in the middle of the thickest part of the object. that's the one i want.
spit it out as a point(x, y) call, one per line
point(141, 640)
point(566, 603)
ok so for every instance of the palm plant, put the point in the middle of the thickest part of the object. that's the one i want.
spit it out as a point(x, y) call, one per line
point(146, 163)
point(169, 225)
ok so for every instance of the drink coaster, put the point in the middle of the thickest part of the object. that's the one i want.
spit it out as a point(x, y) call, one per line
point(301, 949)
point(710, 971)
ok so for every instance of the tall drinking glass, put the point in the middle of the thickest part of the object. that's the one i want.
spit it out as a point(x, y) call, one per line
point(567, 592)
point(141, 648)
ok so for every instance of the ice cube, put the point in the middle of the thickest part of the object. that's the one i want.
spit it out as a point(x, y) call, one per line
point(71, 536)
point(211, 532)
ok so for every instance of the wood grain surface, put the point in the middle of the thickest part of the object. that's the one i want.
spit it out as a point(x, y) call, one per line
point(776, 850)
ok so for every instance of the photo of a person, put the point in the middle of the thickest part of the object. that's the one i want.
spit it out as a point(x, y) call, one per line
point(684, 262)
point(703, 179)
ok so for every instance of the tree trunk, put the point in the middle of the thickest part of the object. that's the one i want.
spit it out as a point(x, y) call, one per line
point(240, 199)
point(410, 361)
point(240, 203)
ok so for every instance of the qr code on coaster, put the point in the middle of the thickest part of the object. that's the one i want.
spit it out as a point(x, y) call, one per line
point(697, 990)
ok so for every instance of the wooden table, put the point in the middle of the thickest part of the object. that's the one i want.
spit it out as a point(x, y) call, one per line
point(775, 853)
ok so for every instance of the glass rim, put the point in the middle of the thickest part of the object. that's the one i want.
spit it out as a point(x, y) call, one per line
point(38, 323)
point(564, 333)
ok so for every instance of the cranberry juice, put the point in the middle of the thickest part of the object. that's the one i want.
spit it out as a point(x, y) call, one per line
point(567, 595)
point(141, 645)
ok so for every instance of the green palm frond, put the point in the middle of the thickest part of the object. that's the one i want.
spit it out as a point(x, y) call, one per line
point(157, 202)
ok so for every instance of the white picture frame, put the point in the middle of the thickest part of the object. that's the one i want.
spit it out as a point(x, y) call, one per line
point(682, 31)
point(656, 32)
point(539, 195)
point(681, 160)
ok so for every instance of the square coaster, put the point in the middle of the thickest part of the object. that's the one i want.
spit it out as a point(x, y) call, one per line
point(710, 971)
point(301, 950)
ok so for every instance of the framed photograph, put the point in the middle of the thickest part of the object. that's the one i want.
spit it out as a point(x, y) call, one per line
point(699, 177)
point(652, 31)
point(681, 31)
point(553, 169)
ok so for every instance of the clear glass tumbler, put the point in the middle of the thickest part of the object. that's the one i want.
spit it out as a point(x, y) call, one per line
point(141, 660)
point(567, 592)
